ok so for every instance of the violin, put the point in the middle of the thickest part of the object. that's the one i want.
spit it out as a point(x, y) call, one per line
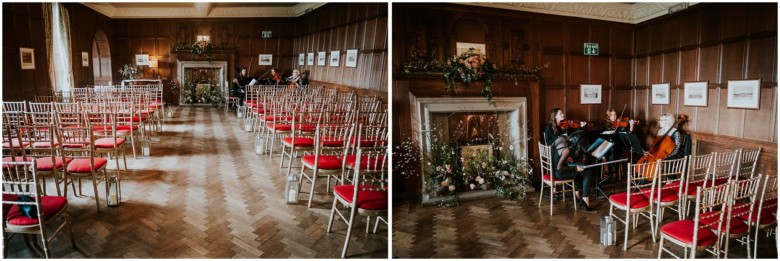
point(623, 123)
point(661, 148)
point(565, 124)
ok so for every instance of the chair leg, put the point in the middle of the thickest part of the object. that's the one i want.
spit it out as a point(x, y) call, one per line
point(660, 247)
point(625, 237)
point(313, 183)
point(541, 195)
point(97, 195)
point(349, 231)
point(552, 195)
point(332, 214)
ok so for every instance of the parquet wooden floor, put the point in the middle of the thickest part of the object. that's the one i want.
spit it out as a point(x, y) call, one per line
point(204, 194)
point(523, 230)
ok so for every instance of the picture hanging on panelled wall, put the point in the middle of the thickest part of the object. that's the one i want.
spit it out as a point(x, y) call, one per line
point(590, 93)
point(744, 94)
point(84, 59)
point(141, 59)
point(301, 59)
point(334, 58)
point(352, 55)
point(27, 57)
point(660, 93)
point(695, 93)
point(321, 58)
point(265, 59)
point(310, 59)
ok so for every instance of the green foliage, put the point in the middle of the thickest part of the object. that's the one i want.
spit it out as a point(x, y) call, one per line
point(130, 72)
point(470, 66)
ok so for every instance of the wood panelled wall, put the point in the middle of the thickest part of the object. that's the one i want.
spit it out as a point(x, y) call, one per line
point(531, 38)
point(714, 43)
point(23, 26)
point(339, 27)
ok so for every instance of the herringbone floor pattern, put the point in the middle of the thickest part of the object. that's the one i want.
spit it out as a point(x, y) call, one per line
point(523, 230)
point(204, 194)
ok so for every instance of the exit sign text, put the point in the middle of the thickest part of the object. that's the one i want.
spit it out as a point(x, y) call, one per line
point(591, 49)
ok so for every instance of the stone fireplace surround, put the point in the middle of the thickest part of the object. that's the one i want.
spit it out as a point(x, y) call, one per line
point(221, 65)
point(427, 108)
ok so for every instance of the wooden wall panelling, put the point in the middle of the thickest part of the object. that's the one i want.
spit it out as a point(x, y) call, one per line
point(754, 126)
point(642, 37)
point(641, 71)
point(656, 69)
point(762, 59)
point(601, 35)
point(576, 35)
point(730, 121)
point(550, 39)
point(621, 70)
point(600, 70)
point(762, 17)
point(622, 40)
point(689, 29)
point(709, 63)
point(657, 35)
point(555, 73)
point(735, 22)
point(671, 68)
point(671, 34)
point(688, 65)
point(733, 65)
point(579, 70)
point(710, 24)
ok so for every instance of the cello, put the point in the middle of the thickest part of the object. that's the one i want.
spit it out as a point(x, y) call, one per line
point(661, 148)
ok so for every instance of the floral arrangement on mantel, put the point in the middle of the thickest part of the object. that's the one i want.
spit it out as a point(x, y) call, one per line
point(445, 174)
point(201, 47)
point(470, 66)
point(130, 72)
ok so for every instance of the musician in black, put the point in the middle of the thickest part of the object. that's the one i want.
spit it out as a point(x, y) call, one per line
point(554, 129)
point(573, 149)
point(609, 132)
point(240, 80)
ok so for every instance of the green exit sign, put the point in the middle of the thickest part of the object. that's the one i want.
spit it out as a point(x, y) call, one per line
point(591, 49)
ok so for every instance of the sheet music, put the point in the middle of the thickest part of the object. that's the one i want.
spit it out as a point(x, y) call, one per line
point(253, 82)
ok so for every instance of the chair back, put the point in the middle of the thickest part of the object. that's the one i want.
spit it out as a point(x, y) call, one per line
point(46, 98)
point(711, 205)
point(20, 179)
point(724, 165)
point(671, 176)
point(748, 162)
point(545, 159)
point(636, 181)
point(77, 142)
point(20, 106)
point(698, 171)
point(370, 173)
point(68, 114)
point(744, 190)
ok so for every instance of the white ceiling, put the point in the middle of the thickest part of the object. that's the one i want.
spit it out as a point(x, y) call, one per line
point(201, 9)
point(631, 13)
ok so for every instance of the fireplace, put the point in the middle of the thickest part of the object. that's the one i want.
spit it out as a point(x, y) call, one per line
point(202, 73)
point(471, 123)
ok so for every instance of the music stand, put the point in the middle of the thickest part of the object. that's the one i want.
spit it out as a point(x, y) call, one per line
point(632, 143)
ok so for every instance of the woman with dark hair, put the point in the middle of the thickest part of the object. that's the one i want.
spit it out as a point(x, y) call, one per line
point(573, 147)
point(276, 77)
point(239, 84)
point(554, 129)
point(305, 77)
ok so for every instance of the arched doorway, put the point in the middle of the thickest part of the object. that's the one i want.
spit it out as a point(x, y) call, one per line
point(101, 59)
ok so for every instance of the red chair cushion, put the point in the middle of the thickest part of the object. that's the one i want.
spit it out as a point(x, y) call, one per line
point(637, 201)
point(305, 127)
point(44, 144)
point(82, 165)
point(682, 230)
point(371, 200)
point(50, 206)
point(299, 141)
point(364, 161)
point(330, 141)
point(15, 144)
point(324, 162)
point(667, 195)
point(280, 127)
point(766, 217)
point(108, 143)
point(14, 159)
point(45, 164)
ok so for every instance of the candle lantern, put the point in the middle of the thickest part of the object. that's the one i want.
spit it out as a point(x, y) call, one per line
point(259, 145)
point(169, 112)
point(146, 146)
point(240, 111)
point(291, 189)
point(113, 194)
point(608, 231)
point(248, 124)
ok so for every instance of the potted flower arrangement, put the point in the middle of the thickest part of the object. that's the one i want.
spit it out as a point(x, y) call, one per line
point(201, 47)
point(130, 72)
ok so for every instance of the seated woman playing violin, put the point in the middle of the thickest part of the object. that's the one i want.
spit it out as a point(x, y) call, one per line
point(568, 155)
point(558, 126)
point(613, 123)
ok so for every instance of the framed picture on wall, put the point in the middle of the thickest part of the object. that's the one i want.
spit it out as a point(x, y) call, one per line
point(744, 94)
point(84, 59)
point(590, 93)
point(265, 59)
point(352, 55)
point(27, 58)
point(464, 47)
point(301, 59)
point(334, 58)
point(141, 59)
point(660, 93)
point(695, 93)
point(321, 58)
point(310, 59)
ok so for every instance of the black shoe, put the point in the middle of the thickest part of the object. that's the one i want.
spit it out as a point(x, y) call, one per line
point(584, 205)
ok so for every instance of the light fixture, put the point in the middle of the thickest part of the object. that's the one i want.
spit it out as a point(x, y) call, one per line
point(153, 65)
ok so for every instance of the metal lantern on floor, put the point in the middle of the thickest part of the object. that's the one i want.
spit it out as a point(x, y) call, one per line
point(113, 192)
point(240, 111)
point(169, 112)
point(259, 145)
point(248, 125)
point(291, 189)
point(146, 146)
point(608, 231)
